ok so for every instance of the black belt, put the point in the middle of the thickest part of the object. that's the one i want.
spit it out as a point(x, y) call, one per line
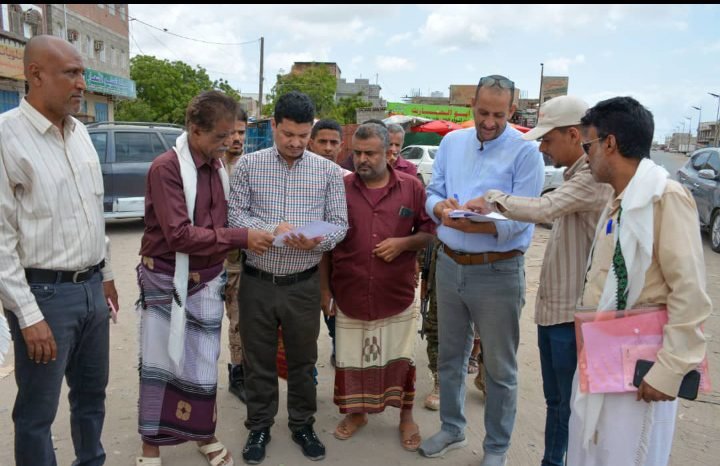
point(62, 276)
point(280, 280)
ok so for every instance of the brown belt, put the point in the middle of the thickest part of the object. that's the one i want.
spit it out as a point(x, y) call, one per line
point(465, 258)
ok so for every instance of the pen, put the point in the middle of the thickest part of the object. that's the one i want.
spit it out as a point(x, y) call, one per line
point(457, 198)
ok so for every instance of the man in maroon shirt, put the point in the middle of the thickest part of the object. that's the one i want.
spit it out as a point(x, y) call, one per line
point(372, 281)
point(397, 138)
point(181, 282)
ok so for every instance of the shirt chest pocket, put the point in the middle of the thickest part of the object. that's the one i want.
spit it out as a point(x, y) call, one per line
point(92, 171)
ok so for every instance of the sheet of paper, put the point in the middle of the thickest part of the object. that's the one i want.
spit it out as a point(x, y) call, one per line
point(476, 217)
point(309, 230)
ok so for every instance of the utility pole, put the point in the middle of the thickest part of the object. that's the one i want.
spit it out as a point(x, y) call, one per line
point(260, 93)
point(689, 119)
point(542, 69)
point(697, 137)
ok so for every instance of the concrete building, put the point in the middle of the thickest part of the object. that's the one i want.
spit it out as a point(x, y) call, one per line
point(98, 31)
point(369, 92)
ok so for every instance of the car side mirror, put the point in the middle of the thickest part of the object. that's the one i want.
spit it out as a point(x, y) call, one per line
point(708, 174)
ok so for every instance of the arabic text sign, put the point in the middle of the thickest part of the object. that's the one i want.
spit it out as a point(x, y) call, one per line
point(434, 112)
point(105, 83)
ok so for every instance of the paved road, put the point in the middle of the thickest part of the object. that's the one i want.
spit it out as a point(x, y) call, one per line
point(696, 440)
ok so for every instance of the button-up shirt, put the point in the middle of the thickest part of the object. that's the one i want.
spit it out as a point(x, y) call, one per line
point(402, 165)
point(266, 191)
point(467, 169)
point(573, 208)
point(167, 225)
point(365, 286)
point(675, 278)
point(51, 204)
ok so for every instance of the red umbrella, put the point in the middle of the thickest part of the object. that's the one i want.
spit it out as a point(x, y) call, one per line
point(441, 127)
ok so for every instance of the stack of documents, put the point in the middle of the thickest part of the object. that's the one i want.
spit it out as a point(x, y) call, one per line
point(476, 217)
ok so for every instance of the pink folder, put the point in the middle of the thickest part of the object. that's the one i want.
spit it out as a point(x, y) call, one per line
point(610, 343)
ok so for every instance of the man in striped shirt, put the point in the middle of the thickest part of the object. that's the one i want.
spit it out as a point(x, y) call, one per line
point(573, 209)
point(277, 190)
point(54, 280)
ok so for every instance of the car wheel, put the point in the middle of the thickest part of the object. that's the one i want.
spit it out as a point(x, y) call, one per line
point(715, 231)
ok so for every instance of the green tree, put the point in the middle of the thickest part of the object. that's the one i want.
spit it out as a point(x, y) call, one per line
point(316, 81)
point(164, 89)
point(344, 111)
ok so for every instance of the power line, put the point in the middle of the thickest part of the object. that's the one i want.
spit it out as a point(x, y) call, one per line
point(191, 38)
point(132, 36)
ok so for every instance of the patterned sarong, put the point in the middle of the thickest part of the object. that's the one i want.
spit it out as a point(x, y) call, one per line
point(178, 407)
point(375, 362)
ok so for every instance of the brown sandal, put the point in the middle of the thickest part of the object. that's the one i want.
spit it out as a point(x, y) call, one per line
point(347, 427)
point(410, 436)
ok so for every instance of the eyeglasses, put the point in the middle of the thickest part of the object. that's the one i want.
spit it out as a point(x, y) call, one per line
point(586, 145)
point(489, 81)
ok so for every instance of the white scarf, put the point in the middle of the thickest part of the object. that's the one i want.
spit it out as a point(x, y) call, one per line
point(636, 241)
point(188, 173)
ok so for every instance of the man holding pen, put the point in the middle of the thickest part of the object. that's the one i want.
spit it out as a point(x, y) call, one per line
point(480, 267)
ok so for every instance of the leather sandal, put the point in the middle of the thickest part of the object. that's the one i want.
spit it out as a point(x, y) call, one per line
point(410, 436)
point(347, 428)
point(148, 461)
point(222, 459)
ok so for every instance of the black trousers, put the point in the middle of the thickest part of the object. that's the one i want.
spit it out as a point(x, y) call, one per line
point(263, 307)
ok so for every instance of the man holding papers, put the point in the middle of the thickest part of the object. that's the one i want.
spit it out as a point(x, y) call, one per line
point(277, 190)
point(372, 280)
point(647, 251)
point(573, 209)
point(480, 267)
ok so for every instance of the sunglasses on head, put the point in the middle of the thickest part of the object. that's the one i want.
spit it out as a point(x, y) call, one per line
point(489, 81)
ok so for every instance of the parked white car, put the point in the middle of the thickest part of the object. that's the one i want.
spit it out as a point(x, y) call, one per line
point(424, 156)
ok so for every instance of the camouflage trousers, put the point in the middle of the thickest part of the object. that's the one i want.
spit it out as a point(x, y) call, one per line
point(232, 310)
point(430, 324)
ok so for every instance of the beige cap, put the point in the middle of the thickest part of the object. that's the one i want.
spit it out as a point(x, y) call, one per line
point(557, 112)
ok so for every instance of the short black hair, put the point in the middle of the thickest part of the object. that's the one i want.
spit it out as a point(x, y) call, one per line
point(627, 120)
point(373, 130)
point(326, 123)
point(294, 106)
point(376, 121)
point(209, 107)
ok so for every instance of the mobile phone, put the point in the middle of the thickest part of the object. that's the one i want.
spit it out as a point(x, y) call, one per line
point(688, 387)
point(113, 311)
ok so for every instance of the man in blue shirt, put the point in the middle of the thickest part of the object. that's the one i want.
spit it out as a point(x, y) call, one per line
point(480, 267)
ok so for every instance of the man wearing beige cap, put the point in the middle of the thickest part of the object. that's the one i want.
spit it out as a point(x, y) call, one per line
point(573, 209)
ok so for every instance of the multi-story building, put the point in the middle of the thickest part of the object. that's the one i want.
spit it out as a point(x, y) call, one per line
point(98, 31)
point(362, 87)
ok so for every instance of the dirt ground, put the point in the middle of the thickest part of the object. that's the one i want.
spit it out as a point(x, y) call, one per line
point(696, 438)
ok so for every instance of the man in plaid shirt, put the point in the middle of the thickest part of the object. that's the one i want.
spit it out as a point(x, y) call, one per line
point(277, 190)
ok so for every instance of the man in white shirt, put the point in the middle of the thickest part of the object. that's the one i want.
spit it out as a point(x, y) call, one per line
point(52, 257)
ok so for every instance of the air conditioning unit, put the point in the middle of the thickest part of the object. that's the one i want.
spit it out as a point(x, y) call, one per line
point(99, 45)
point(73, 35)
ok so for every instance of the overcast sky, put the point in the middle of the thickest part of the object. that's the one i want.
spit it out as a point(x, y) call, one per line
point(667, 57)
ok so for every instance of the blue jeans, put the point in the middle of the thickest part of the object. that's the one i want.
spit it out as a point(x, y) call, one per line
point(558, 359)
point(491, 296)
point(78, 317)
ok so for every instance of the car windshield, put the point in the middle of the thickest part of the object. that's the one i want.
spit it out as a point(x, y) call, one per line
point(412, 153)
